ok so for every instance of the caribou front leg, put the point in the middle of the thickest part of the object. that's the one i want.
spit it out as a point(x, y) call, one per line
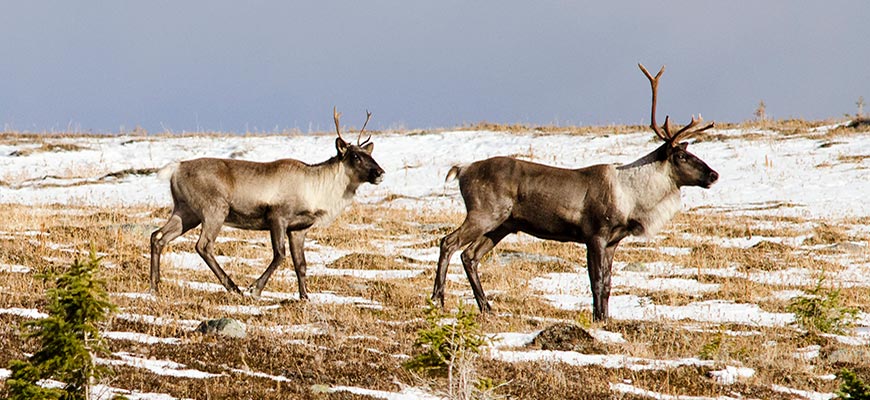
point(297, 242)
point(599, 260)
point(277, 235)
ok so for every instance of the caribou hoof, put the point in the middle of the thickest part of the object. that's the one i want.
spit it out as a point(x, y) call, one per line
point(254, 292)
point(438, 300)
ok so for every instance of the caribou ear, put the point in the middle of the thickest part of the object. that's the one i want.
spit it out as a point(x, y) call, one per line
point(683, 145)
point(341, 146)
point(368, 148)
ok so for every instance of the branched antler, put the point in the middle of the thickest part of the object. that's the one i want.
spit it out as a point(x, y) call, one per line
point(686, 131)
point(368, 117)
point(664, 131)
point(654, 84)
point(337, 115)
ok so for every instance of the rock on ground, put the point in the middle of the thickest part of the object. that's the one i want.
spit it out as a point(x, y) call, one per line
point(568, 337)
point(224, 327)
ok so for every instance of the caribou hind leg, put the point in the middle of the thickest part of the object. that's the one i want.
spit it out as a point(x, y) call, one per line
point(471, 258)
point(211, 226)
point(474, 226)
point(181, 221)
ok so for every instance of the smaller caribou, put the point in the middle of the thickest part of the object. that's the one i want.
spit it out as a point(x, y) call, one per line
point(285, 197)
point(598, 205)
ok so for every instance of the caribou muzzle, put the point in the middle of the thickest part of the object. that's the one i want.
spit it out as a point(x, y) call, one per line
point(712, 177)
point(376, 175)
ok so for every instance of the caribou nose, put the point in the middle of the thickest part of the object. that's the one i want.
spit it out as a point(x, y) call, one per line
point(712, 178)
point(377, 175)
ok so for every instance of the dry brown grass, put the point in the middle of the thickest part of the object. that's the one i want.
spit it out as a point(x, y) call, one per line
point(752, 130)
point(552, 129)
point(365, 347)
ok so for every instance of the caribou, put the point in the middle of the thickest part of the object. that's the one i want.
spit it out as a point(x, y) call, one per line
point(598, 205)
point(285, 197)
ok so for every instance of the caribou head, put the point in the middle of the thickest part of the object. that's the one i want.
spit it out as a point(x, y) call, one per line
point(357, 158)
point(686, 168)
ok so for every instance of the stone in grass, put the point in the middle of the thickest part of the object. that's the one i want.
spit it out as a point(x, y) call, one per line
point(224, 327)
point(568, 337)
point(849, 355)
point(849, 247)
point(635, 267)
point(320, 389)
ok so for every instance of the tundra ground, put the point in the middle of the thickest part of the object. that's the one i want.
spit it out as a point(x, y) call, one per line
point(360, 326)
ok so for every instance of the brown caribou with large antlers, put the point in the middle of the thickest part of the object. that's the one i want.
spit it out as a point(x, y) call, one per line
point(285, 197)
point(597, 205)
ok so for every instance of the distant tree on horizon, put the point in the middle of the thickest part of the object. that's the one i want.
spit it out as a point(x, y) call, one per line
point(761, 111)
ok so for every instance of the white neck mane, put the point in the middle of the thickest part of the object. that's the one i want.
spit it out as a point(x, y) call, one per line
point(329, 190)
point(650, 196)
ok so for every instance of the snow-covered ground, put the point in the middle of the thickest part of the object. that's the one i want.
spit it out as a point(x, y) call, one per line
point(795, 176)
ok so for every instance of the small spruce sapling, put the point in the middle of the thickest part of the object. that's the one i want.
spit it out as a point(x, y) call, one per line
point(852, 387)
point(822, 310)
point(68, 338)
point(444, 342)
point(449, 343)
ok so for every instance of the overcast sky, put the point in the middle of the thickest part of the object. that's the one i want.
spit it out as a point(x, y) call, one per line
point(270, 65)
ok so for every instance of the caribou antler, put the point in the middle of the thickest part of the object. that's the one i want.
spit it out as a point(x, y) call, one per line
point(687, 131)
point(368, 117)
point(664, 131)
point(654, 84)
point(336, 116)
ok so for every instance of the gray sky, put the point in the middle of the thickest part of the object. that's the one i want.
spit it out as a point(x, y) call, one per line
point(267, 65)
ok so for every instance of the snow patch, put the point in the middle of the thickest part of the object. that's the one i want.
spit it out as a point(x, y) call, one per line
point(603, 360)
point(140, 337)
point(24, 312)
point(730, 375)
point(406, 393)
point(14, 268)
point(159, 367)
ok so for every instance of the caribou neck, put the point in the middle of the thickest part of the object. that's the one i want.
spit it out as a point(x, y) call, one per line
point(334, 168)
point(651, 158)
point(653, 197)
